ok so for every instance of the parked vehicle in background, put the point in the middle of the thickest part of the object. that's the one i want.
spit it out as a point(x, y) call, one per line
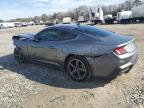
point(7, 25)
point(133, 16)
point(138, 13)
point(83, 51)
point(49, 23)
point(82, 19)
point(41, 22)
point(108, 19)
point(56, 21)
point(18, 24)
point(3, 25)
point(24, 24)
point(67, 20)
point(96, 15)
point(124, 16)
point(38, 22)
point(0, 26)
point(31, 23)
point(10, 24)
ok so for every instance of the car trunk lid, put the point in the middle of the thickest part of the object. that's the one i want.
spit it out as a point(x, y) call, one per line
point(116, 39)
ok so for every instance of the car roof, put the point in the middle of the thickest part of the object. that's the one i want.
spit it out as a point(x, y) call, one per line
point(66, 26)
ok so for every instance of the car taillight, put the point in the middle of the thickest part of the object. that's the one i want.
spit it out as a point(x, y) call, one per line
point(120, 50)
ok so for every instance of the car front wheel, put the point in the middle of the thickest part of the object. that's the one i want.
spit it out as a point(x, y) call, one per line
point(78, 68)
point(18, 55)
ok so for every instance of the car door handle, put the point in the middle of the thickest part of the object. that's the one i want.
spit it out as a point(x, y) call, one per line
point(51, 47)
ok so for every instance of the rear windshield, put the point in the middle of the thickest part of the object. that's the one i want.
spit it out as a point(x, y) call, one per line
point(91, 30)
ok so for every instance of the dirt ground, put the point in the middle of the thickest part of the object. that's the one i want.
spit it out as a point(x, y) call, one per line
point(35, 86)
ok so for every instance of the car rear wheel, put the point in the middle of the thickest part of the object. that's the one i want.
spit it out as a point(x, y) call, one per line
point(78, 68)
point(18, 55)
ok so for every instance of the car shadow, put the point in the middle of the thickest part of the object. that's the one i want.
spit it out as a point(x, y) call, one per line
point(49, 74)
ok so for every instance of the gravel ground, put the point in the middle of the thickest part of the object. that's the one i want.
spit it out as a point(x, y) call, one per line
point(37, 86)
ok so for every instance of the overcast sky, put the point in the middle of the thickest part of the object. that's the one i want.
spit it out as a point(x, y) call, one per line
point(10, 9)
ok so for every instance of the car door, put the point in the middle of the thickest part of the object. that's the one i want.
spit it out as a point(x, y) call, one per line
point(44, 47)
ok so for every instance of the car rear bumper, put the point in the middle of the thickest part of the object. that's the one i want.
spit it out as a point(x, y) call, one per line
point(111, 65)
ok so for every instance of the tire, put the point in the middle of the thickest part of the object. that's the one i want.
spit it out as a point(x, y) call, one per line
point(18, 55)
point(78, 68)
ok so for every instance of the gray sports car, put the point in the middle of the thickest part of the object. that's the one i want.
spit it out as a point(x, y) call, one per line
point(83, 51)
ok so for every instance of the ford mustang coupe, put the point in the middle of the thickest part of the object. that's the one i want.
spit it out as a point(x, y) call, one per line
point(83, 51)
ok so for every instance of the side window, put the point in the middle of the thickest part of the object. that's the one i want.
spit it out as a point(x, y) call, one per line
point(66, 35)
point(55, 35)
point(48, 35)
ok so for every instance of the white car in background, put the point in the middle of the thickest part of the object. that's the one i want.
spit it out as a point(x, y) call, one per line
point(24, 24)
